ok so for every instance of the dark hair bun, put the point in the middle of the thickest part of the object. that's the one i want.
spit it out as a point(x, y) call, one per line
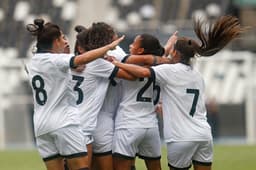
point(80, 28)
point(37, 27)
point(40, 23)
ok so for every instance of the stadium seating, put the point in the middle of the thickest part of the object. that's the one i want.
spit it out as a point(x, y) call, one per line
point(227, 74)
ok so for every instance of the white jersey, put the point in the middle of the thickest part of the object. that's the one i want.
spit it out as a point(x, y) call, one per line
point(113, 96)
point(91, 87)
point(184, 112)
point(54, 102)
point(136, 109)
point(104, 131)
point(118, 53)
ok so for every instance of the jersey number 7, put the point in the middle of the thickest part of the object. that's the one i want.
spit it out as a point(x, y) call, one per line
point(195, 100)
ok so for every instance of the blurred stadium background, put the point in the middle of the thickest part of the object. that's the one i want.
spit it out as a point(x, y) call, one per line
point(230, 75)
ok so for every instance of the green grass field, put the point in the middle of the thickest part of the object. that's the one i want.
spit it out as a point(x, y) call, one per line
point(225, 158)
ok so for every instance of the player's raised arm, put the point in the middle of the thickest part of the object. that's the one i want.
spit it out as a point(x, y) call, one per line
point(96, 53)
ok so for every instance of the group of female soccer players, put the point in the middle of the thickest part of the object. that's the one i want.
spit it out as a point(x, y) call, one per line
point(95, 108)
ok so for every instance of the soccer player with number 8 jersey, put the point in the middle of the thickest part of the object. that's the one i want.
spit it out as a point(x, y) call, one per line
point(57, 122)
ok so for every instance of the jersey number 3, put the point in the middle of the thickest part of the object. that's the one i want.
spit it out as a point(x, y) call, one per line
point(195, 100)
point(40, 93)
point(79, 81)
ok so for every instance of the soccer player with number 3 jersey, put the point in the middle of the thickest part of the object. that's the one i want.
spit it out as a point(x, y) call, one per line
point(57, 123)
point(91, 85)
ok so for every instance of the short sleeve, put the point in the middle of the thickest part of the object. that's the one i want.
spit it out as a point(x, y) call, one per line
point(63, 61)
point(163, 73)
point(100, 68)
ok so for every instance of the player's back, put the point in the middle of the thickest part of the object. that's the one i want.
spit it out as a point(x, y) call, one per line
point(136, 109)
point(91, 86)
point(54, 104)
point(184, 108)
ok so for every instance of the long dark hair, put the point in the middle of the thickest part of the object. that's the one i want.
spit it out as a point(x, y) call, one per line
point(151, 45)
point(45, 34)
point(213, 38)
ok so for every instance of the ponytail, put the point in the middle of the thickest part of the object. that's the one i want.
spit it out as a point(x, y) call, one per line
point(212, 38)
point(219, 34)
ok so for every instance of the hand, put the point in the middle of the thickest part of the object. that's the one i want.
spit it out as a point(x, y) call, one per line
point(115, 43)
point(171, 41)
point(159, 109)
point(115, 61)
point(109, 58)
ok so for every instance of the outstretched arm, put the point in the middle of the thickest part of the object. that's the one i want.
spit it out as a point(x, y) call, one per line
point(96, 53)
point(135, 70)
point(170, 43)
point(125, 75)
point(150, 60)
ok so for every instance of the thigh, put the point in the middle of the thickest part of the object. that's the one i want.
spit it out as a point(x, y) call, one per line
point(153, 164)
point(80, 162)
point(102, 162)
point(103, 136)
point(46, 147)
point(202, 167)
point(180, 154)
point(72, 146)
point(70, 141)
point(125, 147)
point(89, 152)
point(204, 154)
point(126, 141)
point(121, 163)
point(150, 145)
point(54, 164)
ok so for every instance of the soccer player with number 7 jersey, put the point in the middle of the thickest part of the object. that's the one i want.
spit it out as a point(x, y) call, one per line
point(186, 131)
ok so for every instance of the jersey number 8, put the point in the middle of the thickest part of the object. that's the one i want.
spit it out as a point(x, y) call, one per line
point(40, 93)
